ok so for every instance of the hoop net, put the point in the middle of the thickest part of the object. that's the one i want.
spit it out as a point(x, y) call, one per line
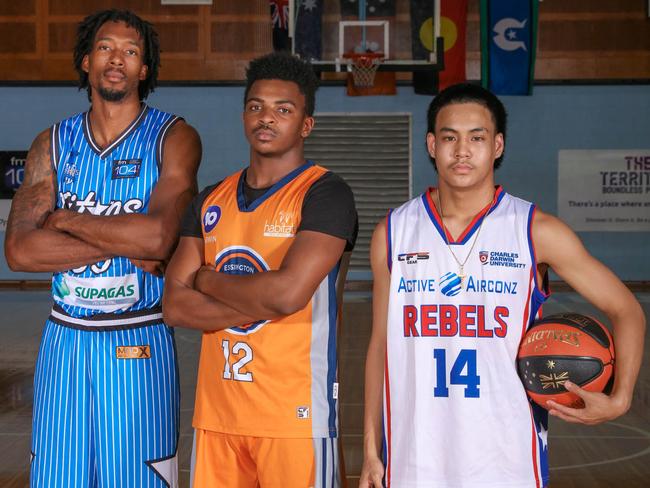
point(363, 67)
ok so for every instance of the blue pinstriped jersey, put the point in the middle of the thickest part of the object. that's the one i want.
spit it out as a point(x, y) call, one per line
point(117, 179)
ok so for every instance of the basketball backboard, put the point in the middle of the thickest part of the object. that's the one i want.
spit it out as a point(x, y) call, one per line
point(407, 40)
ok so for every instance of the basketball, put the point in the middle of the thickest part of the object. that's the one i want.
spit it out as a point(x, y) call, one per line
point(565, 347)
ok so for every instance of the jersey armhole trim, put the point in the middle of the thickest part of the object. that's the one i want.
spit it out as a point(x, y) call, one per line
point(389, 242)
point(162, 135)
point(541, 291)
point(55, 149)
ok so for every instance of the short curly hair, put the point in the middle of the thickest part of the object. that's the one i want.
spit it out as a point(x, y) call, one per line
point(470, 93)
point(87, 30)
point(283, 66)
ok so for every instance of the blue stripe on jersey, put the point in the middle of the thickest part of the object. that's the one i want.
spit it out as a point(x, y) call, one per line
point(389, 242)
point(539, 296)
point(241, 199)
point(118, 179)
point(331, 348)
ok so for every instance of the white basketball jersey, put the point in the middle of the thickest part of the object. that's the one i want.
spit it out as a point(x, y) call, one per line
point(455, 411)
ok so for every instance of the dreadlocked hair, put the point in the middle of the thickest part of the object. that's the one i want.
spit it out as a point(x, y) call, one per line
point(87, 30)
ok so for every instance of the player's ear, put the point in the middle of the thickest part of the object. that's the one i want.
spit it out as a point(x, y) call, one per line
point(144, 71)
point(307, 126)
point(499, 145)
point(431, 144)
point(85, 64)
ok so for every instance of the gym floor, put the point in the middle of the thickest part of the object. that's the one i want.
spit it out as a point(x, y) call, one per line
point(616, 454)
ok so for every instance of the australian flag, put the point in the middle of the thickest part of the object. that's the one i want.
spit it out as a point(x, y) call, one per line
point(280, 20)
point(508, 44)
point(374, 8)
point(308, 29)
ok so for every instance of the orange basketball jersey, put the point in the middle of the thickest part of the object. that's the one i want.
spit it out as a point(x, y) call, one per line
point(274, 378)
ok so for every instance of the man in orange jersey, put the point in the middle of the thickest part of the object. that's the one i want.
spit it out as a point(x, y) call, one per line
point(276, 233)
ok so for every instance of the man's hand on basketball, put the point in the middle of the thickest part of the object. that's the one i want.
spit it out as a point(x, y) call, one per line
point(598, 408)
point(372, 473)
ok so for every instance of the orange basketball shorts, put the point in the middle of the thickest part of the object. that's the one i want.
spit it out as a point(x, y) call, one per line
point(233, 461)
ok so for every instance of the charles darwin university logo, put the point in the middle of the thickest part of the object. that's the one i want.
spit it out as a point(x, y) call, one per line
point(484, 257)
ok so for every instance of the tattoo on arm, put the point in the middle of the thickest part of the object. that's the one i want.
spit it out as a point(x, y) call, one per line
point(35, 199)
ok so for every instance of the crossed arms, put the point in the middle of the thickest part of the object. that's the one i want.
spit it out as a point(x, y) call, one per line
point(198, 297)
point(41, 238)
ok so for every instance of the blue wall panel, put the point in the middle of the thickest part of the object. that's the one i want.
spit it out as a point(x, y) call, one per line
point(554, 118)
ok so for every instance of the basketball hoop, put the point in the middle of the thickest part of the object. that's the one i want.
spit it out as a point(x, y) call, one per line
point(363, 67)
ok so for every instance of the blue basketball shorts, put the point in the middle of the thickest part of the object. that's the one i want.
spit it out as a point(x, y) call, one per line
point(106, 404)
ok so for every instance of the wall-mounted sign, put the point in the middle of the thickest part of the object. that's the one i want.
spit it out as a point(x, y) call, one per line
point(12, 166)
point(605, 190)
point(12, 170)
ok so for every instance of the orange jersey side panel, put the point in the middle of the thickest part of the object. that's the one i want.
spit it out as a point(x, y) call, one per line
point(271, 378)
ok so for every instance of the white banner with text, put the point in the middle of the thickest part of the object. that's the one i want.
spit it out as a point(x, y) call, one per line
point(605, 190)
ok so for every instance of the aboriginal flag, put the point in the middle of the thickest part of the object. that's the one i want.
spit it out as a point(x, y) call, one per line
point(453, 28)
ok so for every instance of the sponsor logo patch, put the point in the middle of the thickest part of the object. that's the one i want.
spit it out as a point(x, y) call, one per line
point(70, 172)
point(281, 226)
point(413, 257)
point(502, 259)
point(450, 284)
point(126, 168)
point(133, 352)
point(211, 218)
point(107, 294)
point(302, 412)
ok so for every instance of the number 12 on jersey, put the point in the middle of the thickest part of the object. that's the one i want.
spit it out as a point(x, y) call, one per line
point(466, 360)
point(244, 355)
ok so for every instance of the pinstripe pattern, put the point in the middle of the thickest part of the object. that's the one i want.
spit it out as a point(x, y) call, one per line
point(86, 183)
point(98, 419)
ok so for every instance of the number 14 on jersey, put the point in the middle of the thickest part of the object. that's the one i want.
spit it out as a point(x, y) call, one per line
point(463, 372)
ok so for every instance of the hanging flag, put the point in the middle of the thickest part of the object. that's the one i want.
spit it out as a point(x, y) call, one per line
point(374, 8)
point(280, 21)
point(453, 28)
point(508, 45)
point(308, 29)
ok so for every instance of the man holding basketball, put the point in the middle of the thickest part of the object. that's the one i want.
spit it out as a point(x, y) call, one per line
point(460, 273)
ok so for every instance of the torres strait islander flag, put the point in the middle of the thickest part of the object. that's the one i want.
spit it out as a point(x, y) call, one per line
point(508, 44)
point(453, 28)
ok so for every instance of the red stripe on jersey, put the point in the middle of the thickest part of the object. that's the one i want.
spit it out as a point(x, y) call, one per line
point(388, 441)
